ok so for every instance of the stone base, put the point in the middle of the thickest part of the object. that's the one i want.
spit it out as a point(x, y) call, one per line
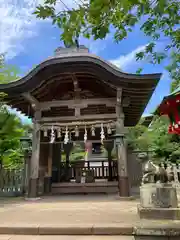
point(158, 195)
point(157, 230)
point(159, 213)
point(47, 185)
point(124, 187)
point(33, 199)
point(33, 188)
point(130, 198)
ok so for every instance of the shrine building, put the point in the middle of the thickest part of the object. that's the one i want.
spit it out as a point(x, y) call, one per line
point(75, 97)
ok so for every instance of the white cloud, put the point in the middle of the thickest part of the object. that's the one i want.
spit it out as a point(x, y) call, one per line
point(124, 61)
point(68, 4)
point(128, 61)
point(16, 23)
point(95, 47)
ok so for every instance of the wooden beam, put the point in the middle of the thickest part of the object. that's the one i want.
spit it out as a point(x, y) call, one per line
point(75, 82)
point(37, 115)
point(77, 91)
point(32, 100)
point(126, 101)
point(119, 102)
point(77, 112)
point(119, 113)
point(80, 118)
point(80, 124)
point(83, 103)
point(50, 160)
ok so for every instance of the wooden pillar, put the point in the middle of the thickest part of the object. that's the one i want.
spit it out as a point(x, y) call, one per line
point(48, 177)
point(109, 147)
point(123, 179)
point(27, 158)
point(34, 163)
point(121, 150)
point(67, 149)
point(56, 162)
point(59, 155)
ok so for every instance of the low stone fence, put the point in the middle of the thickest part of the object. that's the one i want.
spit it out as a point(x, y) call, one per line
point(174, 170)
point(11, 182)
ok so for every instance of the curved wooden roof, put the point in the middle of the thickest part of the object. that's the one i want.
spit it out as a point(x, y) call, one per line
point(147, 120)
point(54, 75)
point(163, 107)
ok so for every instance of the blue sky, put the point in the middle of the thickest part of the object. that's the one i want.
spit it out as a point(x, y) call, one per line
point(29, 41)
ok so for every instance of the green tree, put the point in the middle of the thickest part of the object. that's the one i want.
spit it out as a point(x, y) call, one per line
point(8, 73)
point(165, 146)
point(11, 131)
point(136, 139)
point(158, 19)
point(11, 128)
point(77, 153)
point(175, 71)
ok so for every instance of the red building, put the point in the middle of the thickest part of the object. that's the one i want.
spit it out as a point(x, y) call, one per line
point(170, 106)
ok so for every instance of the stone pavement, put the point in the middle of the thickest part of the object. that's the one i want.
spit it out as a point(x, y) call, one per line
point(72, 215)
point(24, 237)
point(69, 210)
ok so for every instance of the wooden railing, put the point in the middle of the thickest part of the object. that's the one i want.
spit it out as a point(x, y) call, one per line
point(99, 169)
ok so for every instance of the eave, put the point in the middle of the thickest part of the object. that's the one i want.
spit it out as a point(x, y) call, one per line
point(162, 109)
point(139, 87)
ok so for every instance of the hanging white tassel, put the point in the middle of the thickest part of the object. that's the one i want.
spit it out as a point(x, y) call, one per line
point(45, 133)
point(85, 135)
point(59, 133)
point(66, 137)
point(102, 133)
point(52, 135)
point(109, 131)
point(93, 131)
point(76, 131)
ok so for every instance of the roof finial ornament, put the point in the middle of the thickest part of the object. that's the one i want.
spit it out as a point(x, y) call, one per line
point(75, 43)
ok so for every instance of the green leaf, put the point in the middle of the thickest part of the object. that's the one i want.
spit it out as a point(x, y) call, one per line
point(150, 47)
point(159, 21)
point(139, 71)
point(52, 2)
point(140, 55)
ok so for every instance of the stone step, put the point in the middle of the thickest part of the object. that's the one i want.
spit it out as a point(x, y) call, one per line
point(64, 237)
point(146, 230)
point(67, 229)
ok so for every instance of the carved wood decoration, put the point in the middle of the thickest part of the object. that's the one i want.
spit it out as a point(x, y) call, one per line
point(72, 88)
point(98, 109)
point(83, 94)
point(110, 102)
point(77, 97)
point(58, 111)
point(68, 93)
point(77, 90)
